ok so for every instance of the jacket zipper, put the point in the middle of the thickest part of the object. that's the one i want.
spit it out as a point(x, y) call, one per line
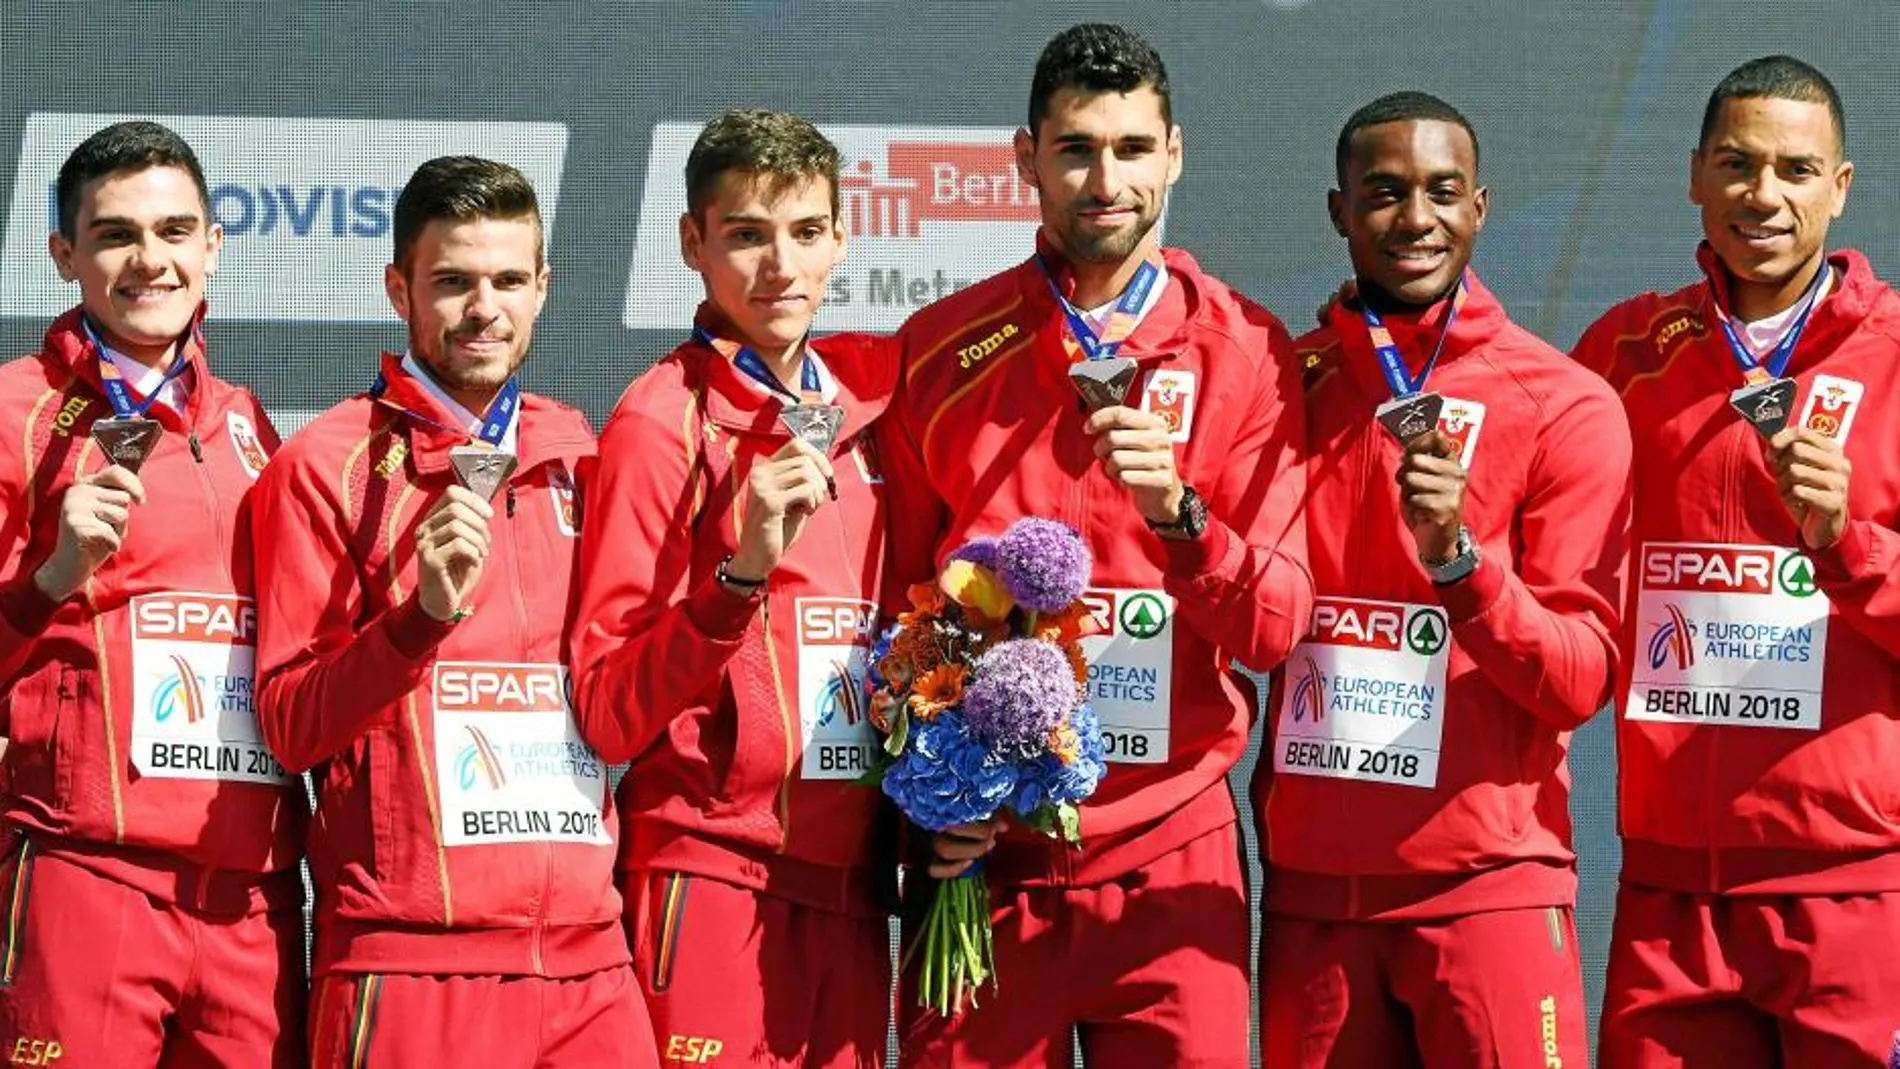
point(1732, 481)
point(523, 638)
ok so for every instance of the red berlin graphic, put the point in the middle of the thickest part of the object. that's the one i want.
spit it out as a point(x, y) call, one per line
point(960, 183)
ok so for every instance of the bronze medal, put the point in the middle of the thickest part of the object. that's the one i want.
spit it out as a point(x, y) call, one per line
point(1103, 383)
point(127, 440)
point(1766, 406)
point(1405, 418)
point(482, 469)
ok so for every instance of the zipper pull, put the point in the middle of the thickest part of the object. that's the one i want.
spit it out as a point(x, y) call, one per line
point(197, 451)
point(511, 500)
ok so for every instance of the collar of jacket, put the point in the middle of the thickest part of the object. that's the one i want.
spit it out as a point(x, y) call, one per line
point(1164, 331)
point(1479, 322)
point(70, 347)
point(866, 376)
point(1853, 297)
point(433, 431)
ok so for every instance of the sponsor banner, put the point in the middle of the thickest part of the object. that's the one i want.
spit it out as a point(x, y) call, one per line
point(194, 712)
point(1364, 694)
point(511, 764)
point(1728, 636)
point(834, 638)
point(1131, 672)
point(306, 204)
point(929, 210)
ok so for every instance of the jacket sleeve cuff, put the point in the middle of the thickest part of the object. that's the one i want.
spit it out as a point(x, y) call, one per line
point(1847, 557)
point(717, 614)
point(414, 633)
point(26, 607)
point(1472, 596)
point(1191, 558)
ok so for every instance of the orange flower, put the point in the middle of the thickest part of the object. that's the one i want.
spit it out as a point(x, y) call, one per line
point(984, 598)
point(1078, 663)
point(1069, 625)
point(913, 652)
point(936, 690)
point(926, 601)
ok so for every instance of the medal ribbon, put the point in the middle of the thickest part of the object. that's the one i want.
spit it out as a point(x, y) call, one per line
point(811, 390)
point(1758, 370)
point(494, 428)
point(1081, 341)
point(124, 405)
point(1392, 361)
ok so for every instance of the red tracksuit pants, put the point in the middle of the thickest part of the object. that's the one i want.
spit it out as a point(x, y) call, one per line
point(734, 977)
point(1497, 990)
point(394, 1021)
point(1702, 981)
point(97, 975)
point(1147, 970)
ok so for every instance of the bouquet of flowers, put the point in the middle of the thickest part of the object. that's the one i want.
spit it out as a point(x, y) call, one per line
point(979, 690)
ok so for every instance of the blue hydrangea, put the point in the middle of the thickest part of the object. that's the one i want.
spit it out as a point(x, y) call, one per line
point(947, 777)
point(1048, 780)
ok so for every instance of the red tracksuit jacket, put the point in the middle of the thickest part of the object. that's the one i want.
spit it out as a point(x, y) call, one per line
point(462, 825)
point(1761, 683)
point(988, 429)
point(744, 719)
point(132, 741)
point(1418, 735)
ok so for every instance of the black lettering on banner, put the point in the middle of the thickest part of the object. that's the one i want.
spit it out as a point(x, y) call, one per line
point(1388, 763)
point(1124, 744)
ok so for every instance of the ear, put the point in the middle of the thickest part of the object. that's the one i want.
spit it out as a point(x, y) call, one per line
point(690, 241)
point(1174, 154)
point(1695, 176)
point(1025, 144)
point(1481, 205)
point(1336, 209)
point(60, 248)
point(1843, 181)
point(838, 235)
point(396, 286)
point(541, 288)
point(214, 244)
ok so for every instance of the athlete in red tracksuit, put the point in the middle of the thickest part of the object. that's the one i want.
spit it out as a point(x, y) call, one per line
point(464, 841)
point(152, 904)
point(1414, 807)
point(1140, 938)
point(1758, 919)
point(730, 581)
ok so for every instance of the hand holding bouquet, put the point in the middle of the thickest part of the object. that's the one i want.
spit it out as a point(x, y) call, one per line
point(980, 691)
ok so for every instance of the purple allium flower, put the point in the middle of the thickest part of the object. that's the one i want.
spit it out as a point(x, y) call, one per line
point(947, 776)
point(1043, 564)
point(1020, 690)
point(980, 551)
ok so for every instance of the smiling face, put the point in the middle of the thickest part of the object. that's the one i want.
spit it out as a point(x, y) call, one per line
point(1411, 208)
point(1101, 163)
point(1769, 179)
point(470, 293)
point(142, 247)
point(765, 248)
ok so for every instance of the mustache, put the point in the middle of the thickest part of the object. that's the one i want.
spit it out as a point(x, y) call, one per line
point(479, 330)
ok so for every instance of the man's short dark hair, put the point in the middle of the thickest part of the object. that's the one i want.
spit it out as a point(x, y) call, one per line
point(1407, 106)
point(462, 189)
point(1097, 57)
point(777, 147)
point(124, 148)
point(1778, 78)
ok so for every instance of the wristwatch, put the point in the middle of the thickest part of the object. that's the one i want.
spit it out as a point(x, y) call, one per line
point(1190, 523)
point(1459, 566)
point(747, 588)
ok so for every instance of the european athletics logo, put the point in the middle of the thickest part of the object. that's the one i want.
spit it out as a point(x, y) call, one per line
point(844, 690)
point(1309, 694)
point(181, 688)
point(479, 760)
point(1674, 637)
